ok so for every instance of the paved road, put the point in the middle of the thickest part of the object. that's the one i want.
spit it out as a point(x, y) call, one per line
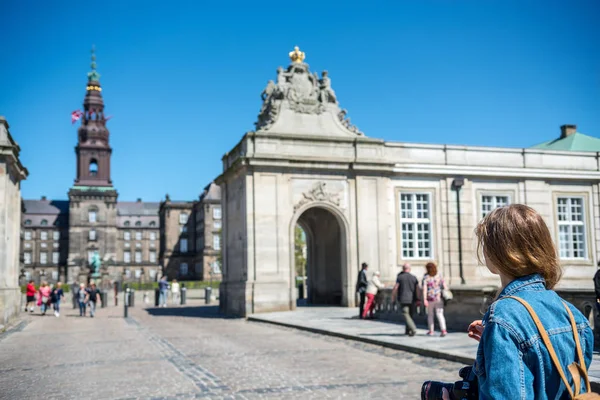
point(190, 353)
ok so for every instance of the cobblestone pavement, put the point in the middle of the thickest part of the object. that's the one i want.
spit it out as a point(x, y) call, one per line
point(191, 353)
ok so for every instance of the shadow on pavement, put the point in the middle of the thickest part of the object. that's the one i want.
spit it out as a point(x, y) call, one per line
point(190, 312)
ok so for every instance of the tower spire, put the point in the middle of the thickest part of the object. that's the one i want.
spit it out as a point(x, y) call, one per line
point(93, 75)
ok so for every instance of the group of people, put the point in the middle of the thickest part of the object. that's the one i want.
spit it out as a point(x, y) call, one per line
point(408, 294)
point(163, 289)
point(51, 296)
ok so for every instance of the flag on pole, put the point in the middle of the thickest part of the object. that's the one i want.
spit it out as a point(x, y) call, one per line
point(107, 118)
point(76, 115)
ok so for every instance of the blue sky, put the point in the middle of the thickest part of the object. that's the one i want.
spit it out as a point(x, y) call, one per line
point(182, 79)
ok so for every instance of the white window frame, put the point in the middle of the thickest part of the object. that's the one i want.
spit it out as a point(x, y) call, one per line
point(91, 255)
point(92, 235)
point(494, 202)
point(152, 256)
point(43, 245)
point(27, 258)
point(43, 258)
point(414, 222)
point(55, 257)
point(138, 256)
point(152, 235)
point(127, 257)
point(126, 235)
point(27, 235)
point(138, 273)
point(217, 224)
point(138, 235)
point(55, 245)
point(570, 223)
point(55, 235)
point(44, 235)
point(217, 212)
point(92, 216)
point(54, 275)
point(216, 242)
point(183, 218)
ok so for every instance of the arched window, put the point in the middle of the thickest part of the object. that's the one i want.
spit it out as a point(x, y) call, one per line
point(27, 222)
point(126, 223)
point(92, 214)
point(44, 222)
point(93, 167)
point(152, 223)
point(138, 223)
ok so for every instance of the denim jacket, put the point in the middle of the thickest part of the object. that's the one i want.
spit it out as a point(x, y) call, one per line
point(512, 361)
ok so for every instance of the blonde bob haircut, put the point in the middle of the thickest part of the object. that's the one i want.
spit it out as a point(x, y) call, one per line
point(516, 240)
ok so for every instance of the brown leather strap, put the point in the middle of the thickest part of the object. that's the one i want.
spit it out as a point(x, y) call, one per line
point(582, 367)
point(547, 342)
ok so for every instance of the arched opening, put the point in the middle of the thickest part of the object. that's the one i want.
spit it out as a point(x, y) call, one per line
point(93, 167)
point(321, 234)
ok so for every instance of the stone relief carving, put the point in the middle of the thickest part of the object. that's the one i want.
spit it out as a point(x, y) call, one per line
point(318, 193)
point(302, 92)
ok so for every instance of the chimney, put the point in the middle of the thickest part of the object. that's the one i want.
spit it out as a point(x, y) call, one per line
point(567, 130)
point(139, 200)
point(43, 197)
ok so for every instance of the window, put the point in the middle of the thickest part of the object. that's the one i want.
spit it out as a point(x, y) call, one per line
point(216, 242)
point(138, 223)
point(27, 222)
point(27, 276)
point(152, 245)
point(27, 245)
point(44, 222)
point(92, 214)
point(138, 273)
point(92, 234)
point(138, 256)
point(489, 203)
point(43, 258)
point(152, 223)
point(55, 255)
point(198, 243)
point(126, 223)
point(216, 267)
point(183, 269)
point(138, 245)
point(127, 235)
point(27, 235)
point(56, 235)
point(55, 245)
point(152, 256)
point(127, 245)
point(183, 246)
point(183, 229)
point(43, 245)
point(571, 227)
point(415, 220)
point(44, 235)
point(183, 218)
point(152, 235)
point(152, 273)
point(217, 224)
point(93, 168)
point(217, 213)
point(91, 256)
point(138, 235)
point(54, 275)
point(127, 257)
point(127, 273)
point(27, 258)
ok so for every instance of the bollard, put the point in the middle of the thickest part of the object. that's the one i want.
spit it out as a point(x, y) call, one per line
point(156, 297)
point(207, 294)
point(125, 302)
point(104, 298)
point(132, 298)
point(183, 294)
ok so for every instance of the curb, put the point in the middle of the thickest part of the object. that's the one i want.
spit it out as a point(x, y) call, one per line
point(395, 346)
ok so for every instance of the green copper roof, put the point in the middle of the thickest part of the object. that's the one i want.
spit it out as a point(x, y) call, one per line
point(575, 142)
point(93, 75)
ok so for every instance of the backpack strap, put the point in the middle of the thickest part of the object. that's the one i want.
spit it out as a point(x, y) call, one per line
point(580, 369)
point(547, 342)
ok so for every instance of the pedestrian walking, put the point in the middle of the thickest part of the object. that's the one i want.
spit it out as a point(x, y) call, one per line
point(92, 297)
point(30, 293)
point(406, 292)
point(433, 284)
point(372, 288)
point(81, 299)
point(361, 287)
point(44, 297)
point(516, 358)
point(163, 289)
point(175, 292)
point(56, 296)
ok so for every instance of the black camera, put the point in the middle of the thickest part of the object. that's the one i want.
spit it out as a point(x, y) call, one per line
point(466, 389)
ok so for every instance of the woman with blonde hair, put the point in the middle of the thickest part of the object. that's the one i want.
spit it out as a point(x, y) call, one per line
point(432, 285)
point(532, 344)
point(44, 297)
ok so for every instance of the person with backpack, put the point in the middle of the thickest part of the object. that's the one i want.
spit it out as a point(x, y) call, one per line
point(56, 296)
point(92, 297)
point(532, 344)
point(44, 297)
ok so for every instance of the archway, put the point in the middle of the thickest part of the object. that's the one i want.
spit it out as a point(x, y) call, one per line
point(325, 256)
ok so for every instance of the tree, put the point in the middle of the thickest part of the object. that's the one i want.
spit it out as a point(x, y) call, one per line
point(299, 249)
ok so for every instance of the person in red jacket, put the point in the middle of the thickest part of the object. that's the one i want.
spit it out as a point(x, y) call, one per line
point(30, 292)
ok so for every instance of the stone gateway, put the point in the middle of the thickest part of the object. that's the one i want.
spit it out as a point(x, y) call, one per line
point(360, 199)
